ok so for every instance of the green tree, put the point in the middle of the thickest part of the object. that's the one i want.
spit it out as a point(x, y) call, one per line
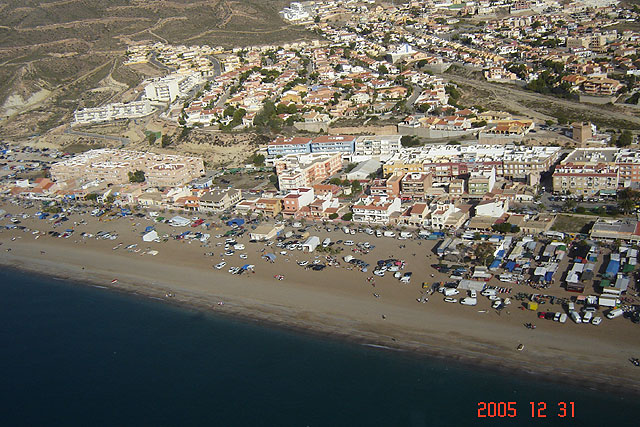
point(165, 141)
point(626, 205)
point(257, 159)
point(151, 138)
point(137, 176)
point(382, 69)
point(347, 217)
point(625, 139)
point(333, 216)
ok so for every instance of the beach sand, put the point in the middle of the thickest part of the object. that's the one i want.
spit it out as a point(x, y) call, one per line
point(336, 301)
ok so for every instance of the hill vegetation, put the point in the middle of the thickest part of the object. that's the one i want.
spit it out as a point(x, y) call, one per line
point(64, 48)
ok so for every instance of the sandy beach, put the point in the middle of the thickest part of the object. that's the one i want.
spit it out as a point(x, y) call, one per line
point(336, 301)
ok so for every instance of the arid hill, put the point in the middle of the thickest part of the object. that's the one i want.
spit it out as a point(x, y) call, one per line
point(56, 55)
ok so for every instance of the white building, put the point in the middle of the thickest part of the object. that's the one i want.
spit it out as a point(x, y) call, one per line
point(492, 208)
point(382, 146)
point(167, 89)
point(113, 111)
point(375, 210)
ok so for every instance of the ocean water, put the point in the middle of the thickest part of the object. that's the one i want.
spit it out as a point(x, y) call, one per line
point(82, 356)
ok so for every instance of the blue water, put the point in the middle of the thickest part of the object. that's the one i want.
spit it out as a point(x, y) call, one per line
point(81, 356)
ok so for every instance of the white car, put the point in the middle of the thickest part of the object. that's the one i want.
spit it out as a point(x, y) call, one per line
point(596, 320)
point(473, 293)
point(451, 300)
point(494, 298)
point(469, 301)
point(378, 273)
point(220, 265)
point(349, 243)
point(229, 253)
point(303, 263)
point(496, 303)
point(243, 256)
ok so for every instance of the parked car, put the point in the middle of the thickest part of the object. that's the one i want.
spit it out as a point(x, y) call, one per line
point(451, 300)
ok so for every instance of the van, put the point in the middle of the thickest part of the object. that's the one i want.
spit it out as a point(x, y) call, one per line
point(575, 316)
point(571, 307)
point(345, 230)
point(326, 242)
point(405, 235)
point(617, 312)
point(389, 234)
point(468, 301)
point(450, 291)
point(488, 292)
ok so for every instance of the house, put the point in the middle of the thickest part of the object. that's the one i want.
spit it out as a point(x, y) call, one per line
point(416, 215)
point(266, 232)
point(492, 208)
point(219, 200)
point(295, 200)
point(269, 206)
point(389, 187)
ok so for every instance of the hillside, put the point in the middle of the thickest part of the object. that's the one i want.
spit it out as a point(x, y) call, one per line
point(53, 53)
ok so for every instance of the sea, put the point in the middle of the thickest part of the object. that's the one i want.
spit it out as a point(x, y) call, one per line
point(75, 355)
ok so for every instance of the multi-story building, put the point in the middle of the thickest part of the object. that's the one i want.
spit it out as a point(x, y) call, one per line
point(448, 162)
point(269, 206)
point(377, 145)
point(296, 200)
point(482, 182)
point(375, 210)
point(219, 200)
point(585, 180)
point(300, 145)
point(416, 184)
point(282, 146)
point(386, 187)
point(624, 163)
point(333, 144)
point(171, 87)
point(114, 111)
point(113, 166)
point(296, 171)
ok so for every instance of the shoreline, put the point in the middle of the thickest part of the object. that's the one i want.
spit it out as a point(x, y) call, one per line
point(281, 319)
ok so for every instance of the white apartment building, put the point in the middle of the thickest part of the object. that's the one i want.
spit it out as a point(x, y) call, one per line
point(383, 146)
point(113, 111)
point(375, 210)
point(171, 87)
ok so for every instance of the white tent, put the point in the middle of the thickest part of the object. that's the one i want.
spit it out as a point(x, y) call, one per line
point(311, 244)
point(150, 236)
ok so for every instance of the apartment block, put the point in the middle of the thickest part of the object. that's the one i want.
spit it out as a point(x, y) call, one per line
point(113, 166)
point(416, 184)
point(375, 210)
point(296, 171)
point(113, 111)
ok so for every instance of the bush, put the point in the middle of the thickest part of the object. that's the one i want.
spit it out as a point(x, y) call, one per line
point(347, 217)
point(333, 216)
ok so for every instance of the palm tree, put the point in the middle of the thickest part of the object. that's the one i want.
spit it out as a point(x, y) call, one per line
point(626, 205)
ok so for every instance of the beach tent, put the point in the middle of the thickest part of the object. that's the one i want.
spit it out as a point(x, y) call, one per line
point(236, 221)
point(150, 236)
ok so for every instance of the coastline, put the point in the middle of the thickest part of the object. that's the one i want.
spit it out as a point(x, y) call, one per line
point(290, 317)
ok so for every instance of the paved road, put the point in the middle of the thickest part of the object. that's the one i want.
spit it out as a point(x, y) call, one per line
point(124, 141)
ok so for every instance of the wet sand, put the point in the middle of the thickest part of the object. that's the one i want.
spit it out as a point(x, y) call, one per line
point(336, 301)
